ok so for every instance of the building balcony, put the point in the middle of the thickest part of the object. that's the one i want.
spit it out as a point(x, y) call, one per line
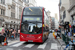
point(4, 17)
point(9, 2)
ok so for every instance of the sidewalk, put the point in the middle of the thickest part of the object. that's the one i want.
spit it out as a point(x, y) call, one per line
point(72, 37)
point(62, 43)
point(9, 39)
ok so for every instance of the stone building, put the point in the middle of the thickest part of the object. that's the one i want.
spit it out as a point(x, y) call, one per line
point(10, 12)
point(56, 21)
point(63, 11)
point(53, 23)
point(49, 18)
point(72, 11)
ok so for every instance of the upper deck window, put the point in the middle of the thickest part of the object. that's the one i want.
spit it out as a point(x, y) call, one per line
point(32, 11)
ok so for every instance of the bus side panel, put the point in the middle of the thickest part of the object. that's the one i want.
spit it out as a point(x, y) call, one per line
point(21, 20)
point(43, 38)
point(45, 32)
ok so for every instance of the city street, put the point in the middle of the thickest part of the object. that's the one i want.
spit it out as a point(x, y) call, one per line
point(49, 44)
point(35, 21)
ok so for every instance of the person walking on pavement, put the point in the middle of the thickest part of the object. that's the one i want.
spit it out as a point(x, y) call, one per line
point(18, 32)
point(58, 33)
point(7, 32)
point(13, 33)
point(2, 35)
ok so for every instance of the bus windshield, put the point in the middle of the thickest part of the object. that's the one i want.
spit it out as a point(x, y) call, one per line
point(31, 27)
point(32, 11)
point(32, 20)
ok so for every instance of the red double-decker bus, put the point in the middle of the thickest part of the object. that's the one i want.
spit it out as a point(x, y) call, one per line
point(34, 25)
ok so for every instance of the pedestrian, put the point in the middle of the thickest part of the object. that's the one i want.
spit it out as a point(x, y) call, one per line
point(58, 33)
point(13, 33)
point(3, 35)
point(18, 32)
point(65, 32)
point(7, 32)
point(10, 33)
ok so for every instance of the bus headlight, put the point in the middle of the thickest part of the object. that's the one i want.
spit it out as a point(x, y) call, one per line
point(22, 36)
point(39, 37)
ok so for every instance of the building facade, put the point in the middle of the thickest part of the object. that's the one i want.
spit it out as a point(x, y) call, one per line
point(72, 11)
point(49, 18)
point(53, 23)
point(30, 3)
point(63, 11)
point(56, 22)
point(10, 13)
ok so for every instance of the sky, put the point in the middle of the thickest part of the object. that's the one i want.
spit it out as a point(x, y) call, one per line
point(51, 5)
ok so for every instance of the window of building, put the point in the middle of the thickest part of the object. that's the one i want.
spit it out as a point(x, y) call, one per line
point(2, 12)
point(60, 2)
point(64, 14)
point(20, 10)
point(26, 1)
point(19, 16)
point(12, 15)
point(2, 1)
point(13, 6)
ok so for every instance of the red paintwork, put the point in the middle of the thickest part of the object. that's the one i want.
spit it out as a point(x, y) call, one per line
point(33, 37)
point(21, 18)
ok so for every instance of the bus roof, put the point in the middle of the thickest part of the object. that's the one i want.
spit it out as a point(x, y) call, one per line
point(34, 7)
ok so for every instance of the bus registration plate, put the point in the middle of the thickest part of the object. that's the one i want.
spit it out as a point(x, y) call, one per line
point(30, 41)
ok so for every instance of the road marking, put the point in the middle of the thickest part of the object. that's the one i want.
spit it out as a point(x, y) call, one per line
point(29, 45)
point(17, 45)
point(9, 41)
point(12, 42)
point(0, 48)
point(9, 49)
point(54, 46)
point(42, 46)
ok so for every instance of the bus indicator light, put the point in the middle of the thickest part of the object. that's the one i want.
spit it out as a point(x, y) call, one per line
point(43, 25)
